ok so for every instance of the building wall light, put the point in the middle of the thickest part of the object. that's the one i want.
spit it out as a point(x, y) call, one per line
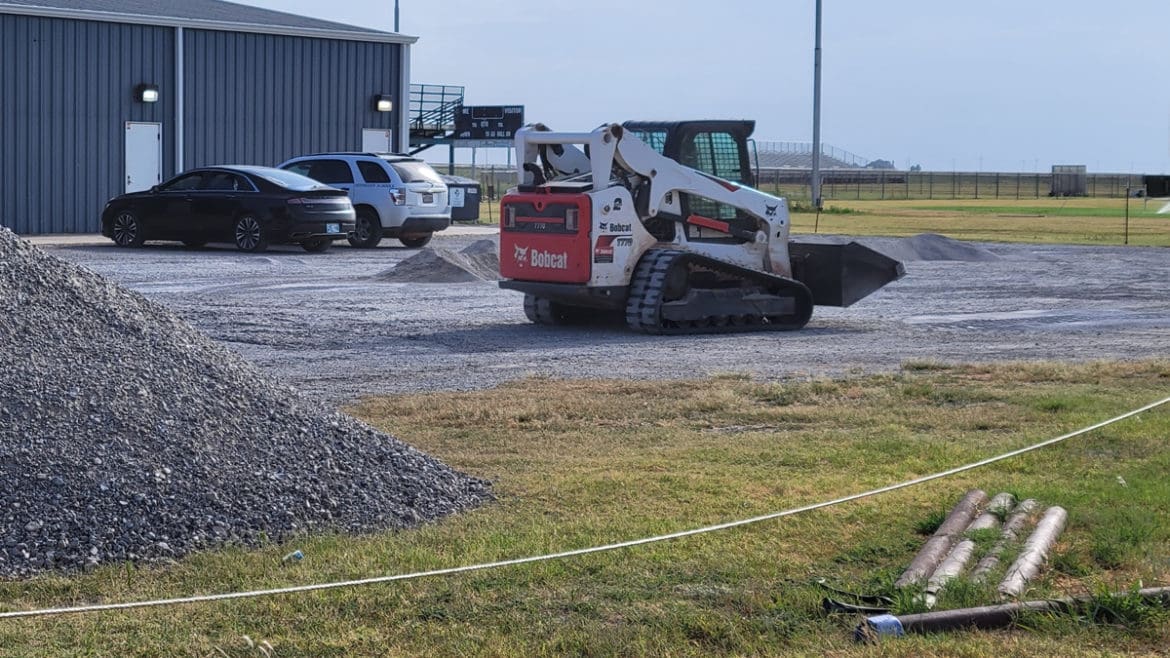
point(383, 103)
point(145, 93)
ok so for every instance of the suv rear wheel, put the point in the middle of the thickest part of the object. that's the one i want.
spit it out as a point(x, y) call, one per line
point(367, 230)
point(414, 242)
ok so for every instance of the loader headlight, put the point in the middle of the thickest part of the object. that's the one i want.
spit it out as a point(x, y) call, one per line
point(509, 216)
point(571, 219)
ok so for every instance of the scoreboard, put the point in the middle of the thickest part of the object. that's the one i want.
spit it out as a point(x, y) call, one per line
point(488, 122)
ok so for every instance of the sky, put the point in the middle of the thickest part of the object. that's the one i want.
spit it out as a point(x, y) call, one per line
point(994, 85)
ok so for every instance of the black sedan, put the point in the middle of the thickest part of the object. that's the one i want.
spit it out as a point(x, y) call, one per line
point(250, 206)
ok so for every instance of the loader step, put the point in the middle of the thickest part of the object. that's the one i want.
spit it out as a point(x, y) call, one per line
point(676, 292)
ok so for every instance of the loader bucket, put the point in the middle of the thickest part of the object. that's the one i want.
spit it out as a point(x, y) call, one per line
point(839, 274)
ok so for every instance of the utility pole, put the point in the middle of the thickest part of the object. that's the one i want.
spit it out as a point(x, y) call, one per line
point(816, 149)
point(395, 15)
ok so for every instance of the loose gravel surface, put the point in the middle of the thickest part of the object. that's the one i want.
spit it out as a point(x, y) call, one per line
point(125, 434)
point(331, 326)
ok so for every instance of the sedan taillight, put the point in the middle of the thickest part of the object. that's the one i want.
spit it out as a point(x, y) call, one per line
point(319, 201)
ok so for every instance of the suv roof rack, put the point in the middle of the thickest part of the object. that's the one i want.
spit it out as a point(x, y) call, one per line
point(365, 153)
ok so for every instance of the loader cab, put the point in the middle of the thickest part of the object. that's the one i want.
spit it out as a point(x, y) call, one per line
point(716, 147)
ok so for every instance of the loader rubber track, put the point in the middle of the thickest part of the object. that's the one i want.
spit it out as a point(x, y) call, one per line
point(711, 296)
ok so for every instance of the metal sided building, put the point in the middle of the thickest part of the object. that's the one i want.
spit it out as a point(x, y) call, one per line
point(101, 97)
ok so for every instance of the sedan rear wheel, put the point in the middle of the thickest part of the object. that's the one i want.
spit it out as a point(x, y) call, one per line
point(317, 245)
point(126, 230)
point(367, 230)
point(250, 234)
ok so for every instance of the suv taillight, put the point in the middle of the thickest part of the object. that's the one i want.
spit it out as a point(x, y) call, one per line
point(398, 196)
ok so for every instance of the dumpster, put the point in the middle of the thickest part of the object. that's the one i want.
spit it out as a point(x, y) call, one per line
point(463, 194)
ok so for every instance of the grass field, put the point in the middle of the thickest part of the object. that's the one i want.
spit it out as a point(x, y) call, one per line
point(1086, 221)
point(581, 463)
point(1089, 221)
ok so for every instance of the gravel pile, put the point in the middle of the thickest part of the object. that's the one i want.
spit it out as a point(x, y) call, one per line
point(125, 434)
point(479, 261)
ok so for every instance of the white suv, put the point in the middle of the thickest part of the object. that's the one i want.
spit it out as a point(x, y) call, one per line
point(395, 196)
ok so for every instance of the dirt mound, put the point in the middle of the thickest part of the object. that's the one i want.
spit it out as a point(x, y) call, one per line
point(479, 261)
point(125, 434)
point(924, 246)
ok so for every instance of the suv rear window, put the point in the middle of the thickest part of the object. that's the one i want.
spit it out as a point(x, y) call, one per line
point(325, 171)
point(291, 177)
point(413, 171)
point(373, 172)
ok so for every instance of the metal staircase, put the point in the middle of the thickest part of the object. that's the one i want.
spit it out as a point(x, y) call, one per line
point(432, 112)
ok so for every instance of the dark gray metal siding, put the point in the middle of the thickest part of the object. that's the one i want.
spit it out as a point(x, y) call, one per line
point(261, 99)
point(66, 91)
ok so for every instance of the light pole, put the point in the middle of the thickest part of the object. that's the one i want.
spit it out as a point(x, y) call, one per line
point(395, 15)
point(816, 149)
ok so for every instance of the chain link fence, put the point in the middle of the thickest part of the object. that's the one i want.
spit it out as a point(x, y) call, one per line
point(858, 184)
point(868, 184)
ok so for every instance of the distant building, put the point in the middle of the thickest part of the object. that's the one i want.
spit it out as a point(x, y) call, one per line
point(1069, 180)
point(100, 97)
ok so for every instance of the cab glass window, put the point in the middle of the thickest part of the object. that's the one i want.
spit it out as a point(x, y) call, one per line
point(655, 139)
point(715, 153)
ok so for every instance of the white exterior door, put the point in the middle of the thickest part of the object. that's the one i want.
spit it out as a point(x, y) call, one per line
point(376, 140)
point(143, 155)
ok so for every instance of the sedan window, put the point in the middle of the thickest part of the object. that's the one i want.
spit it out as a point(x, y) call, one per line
point(183, 183)
point(225, 181)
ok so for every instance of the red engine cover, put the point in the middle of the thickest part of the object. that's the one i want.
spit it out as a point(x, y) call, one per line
point(540, 240)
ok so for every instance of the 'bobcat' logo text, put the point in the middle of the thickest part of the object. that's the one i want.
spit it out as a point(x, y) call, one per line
point(549, 260)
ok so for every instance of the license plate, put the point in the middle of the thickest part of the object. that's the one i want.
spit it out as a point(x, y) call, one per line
point(333, 228)
point(428, 198)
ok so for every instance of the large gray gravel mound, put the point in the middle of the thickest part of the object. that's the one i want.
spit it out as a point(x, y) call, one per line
point(479, 261)
point(125, 434)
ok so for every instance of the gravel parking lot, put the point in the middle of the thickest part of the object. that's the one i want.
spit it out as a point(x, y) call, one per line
point(330, 325)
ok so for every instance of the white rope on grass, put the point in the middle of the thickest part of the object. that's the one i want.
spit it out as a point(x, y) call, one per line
point(573, 553)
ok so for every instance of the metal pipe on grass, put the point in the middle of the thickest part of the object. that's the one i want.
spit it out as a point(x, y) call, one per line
point(940, 543)
point(961, 553)
point(1035, 553)
point(984, 617)
point(998, 508)
point(1011, 529)
point(951, 567)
